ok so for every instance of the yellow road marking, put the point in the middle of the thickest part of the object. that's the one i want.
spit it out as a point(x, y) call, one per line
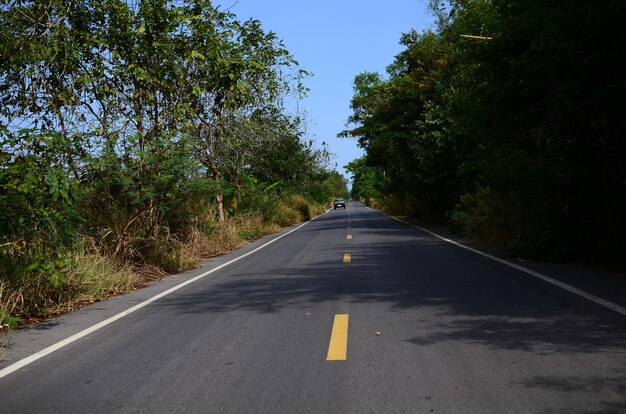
point(338, 346)
point(347, 258)
point(349, 237)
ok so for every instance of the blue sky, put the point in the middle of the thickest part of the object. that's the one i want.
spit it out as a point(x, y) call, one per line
point(336, 40)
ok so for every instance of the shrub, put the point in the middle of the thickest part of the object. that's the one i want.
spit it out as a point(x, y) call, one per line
point(35, 285)
point(395, 205)
point(301, 206)
point(485, 216)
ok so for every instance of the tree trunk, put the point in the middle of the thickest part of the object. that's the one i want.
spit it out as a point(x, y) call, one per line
point(219, 198)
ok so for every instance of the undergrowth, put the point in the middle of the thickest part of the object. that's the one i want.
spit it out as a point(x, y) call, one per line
point(33, 287)
point(38, 283)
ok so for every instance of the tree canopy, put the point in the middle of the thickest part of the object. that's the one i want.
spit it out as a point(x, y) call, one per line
point(131, 120)
point(507, 122)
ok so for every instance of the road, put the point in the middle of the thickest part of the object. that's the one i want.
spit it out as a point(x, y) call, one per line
point(352, 313)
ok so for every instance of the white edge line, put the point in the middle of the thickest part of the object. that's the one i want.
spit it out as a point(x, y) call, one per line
point(40, 354)
point(593, 298)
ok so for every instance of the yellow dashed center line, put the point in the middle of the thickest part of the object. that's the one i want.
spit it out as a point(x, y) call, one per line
point(347, 258)
point(338, 346)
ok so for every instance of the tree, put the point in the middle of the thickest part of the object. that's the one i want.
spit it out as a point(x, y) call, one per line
point(517, 132)
point(366, 180)
point(246, 67)
point(107, 94)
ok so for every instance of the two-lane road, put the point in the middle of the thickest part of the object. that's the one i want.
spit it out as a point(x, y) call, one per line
point(352, 313)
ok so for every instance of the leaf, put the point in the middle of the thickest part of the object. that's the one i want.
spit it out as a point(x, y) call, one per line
point(197, 55)
point(57, 280)
point(273, 185)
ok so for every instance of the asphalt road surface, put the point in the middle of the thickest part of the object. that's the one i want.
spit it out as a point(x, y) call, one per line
point(352, 313)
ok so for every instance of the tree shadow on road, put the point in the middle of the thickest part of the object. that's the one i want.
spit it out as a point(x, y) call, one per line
point(475, 301)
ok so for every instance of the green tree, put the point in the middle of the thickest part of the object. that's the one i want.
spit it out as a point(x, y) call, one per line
point(246, 65)
point(366, 181)
point(107, 94)
point(507, 119)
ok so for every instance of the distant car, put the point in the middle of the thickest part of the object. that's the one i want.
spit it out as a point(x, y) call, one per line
point(339, 202)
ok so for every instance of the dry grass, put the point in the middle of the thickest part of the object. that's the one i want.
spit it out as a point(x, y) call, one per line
point(4, 318)
point(488, 217)
point(230, 235)
point(90, 275)
point(394, 205)
point(3, 340)
point(29, 296)
point(8, 304)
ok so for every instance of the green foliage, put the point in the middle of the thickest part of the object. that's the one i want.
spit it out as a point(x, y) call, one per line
point(39, 285)
point(274, 206)
point(36, 190)
point(366, 180)
point(337, 183)
point(516, 134)
point(139, 126)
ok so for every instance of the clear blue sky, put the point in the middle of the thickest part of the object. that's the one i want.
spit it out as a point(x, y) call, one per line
point(336, 40)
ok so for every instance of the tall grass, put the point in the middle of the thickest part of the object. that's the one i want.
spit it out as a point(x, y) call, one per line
point(393, 204)
point(32, 290)
point(481, 216)
point(34, 284)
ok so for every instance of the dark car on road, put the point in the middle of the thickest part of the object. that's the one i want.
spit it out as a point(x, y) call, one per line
point(339, 202)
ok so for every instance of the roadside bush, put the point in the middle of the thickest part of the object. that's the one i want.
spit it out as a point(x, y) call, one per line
point(394, 204)
point(169, 254)
point(522, 227)
point(486, 216)
point(34, 285)
point(283, 215)
point(37, 194)
point(302, 206)
point(226, 236)
point(132, 206)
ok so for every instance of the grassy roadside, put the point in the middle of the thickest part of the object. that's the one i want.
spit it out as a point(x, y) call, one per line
point(33, 289)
